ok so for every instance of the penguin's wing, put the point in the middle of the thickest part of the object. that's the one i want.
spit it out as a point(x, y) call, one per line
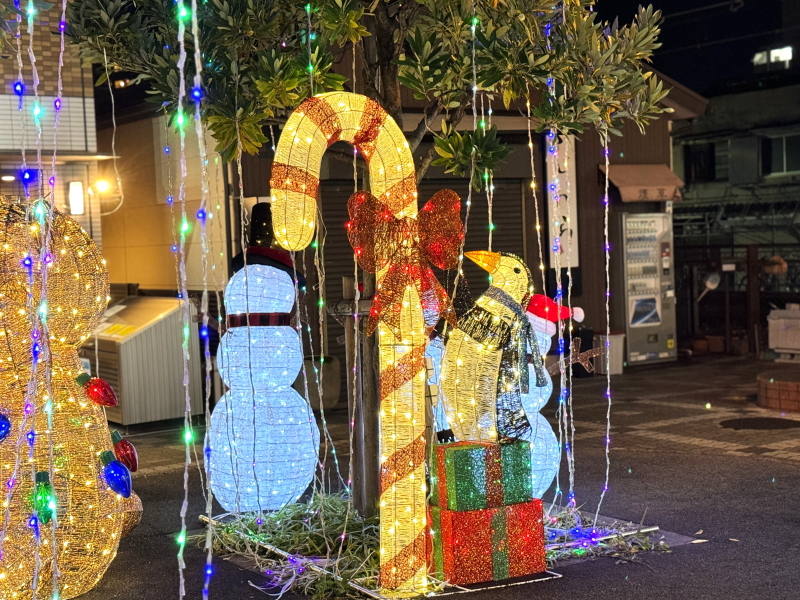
point(485, 327)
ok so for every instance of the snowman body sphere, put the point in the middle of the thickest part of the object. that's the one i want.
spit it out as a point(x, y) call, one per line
point(543, 314)
point(264, 440)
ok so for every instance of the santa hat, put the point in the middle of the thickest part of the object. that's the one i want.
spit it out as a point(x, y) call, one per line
point(547, 309)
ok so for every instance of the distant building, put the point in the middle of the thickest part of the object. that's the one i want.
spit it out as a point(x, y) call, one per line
point(740, 215)
point(77, 189)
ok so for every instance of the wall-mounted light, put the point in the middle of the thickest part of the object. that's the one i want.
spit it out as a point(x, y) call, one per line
point(76, 198)
point(8, 178)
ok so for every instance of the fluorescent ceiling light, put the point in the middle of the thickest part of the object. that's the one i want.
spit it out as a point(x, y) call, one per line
point(76, 200)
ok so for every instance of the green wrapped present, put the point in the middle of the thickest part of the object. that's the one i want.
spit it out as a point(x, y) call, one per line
point(477, 475)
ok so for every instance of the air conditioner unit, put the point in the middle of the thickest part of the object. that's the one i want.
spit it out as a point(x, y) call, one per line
point(138, 350)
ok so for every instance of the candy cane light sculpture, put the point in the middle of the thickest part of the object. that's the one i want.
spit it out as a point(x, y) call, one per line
point(313, 126)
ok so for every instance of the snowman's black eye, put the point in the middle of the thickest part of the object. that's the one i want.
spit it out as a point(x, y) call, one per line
point(517, 270)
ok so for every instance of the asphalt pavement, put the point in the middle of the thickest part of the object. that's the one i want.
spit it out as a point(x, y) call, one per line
point(681, 457)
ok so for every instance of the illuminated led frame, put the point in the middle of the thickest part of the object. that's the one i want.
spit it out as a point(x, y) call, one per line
point(316, 124)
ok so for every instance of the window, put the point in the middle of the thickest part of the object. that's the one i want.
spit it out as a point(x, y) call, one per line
point(781, 55)
point(721, 160)
point(699, 163)
point(773, 60)
point(784, 154)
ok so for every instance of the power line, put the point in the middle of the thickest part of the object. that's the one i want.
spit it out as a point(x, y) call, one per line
point(727, 40)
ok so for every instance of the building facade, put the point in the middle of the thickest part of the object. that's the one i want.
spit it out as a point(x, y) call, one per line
point(76, 191)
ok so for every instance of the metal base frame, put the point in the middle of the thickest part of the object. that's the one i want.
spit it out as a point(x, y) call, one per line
point(449, 590)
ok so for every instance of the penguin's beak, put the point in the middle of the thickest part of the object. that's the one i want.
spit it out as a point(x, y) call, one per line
point(484, 259)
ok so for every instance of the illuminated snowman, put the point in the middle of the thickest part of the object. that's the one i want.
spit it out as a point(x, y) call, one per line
point(543, 314)
point(263, 439)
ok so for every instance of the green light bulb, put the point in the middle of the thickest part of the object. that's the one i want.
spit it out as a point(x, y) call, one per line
point(43, 498)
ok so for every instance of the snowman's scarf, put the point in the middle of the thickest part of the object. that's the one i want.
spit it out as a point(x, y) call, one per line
point(526, 337)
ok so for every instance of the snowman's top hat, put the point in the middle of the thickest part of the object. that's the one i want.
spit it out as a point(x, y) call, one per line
point(262, 249)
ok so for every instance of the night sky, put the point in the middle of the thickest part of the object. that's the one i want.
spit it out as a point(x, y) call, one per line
point(707, 49)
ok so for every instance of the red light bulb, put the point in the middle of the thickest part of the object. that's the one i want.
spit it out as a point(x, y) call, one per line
point(97, 390)
point(125, 451)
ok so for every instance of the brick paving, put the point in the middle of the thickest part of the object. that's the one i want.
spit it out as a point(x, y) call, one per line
point(676, 407)
point(681, 408)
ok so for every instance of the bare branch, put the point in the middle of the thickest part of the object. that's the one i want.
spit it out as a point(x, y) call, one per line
point(347, 157)
point(432, 111)
point(425, 164)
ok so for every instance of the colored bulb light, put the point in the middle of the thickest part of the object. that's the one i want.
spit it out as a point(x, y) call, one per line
point(19, 88)
point(43, 498)
point(117, 475)
point(97, 390)
point(125, 451)
point(5, 426)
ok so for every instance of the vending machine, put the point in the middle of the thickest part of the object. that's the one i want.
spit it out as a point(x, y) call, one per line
point(643, 297)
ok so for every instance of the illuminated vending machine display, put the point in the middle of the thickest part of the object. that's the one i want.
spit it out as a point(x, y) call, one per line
point(649, 287)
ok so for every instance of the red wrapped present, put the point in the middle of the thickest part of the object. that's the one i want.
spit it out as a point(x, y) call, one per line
point(491, 544)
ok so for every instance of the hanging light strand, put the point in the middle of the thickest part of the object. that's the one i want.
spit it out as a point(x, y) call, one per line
point(113, 140)
point(183, 230)
point(203, 214)
point(535, 194)
point(607, 248)
point(38, 212)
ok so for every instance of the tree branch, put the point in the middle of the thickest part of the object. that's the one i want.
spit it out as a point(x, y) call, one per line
point(452, 120)
point(432, 111)
point(370, 89)
point(426, 163)
point(347, 157)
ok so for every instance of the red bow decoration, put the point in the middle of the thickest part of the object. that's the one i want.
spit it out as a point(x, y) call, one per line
point(406, 246)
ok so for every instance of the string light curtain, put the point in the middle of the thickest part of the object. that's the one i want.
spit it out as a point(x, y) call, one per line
point(316, 124)
point(89, 516)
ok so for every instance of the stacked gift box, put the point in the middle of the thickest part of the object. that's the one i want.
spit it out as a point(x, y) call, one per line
point(487, 525)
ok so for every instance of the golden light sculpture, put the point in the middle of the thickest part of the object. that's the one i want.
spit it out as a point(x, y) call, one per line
point(482, 364)
point(313, 126)
point(88, 515)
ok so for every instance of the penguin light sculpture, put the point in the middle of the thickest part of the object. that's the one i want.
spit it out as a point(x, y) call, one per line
point(484, 367)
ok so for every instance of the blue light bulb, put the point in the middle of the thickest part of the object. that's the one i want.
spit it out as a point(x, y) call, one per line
point(117, 475)
point(5, 426)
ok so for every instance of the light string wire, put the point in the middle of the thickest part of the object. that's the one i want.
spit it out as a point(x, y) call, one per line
point(113, 141)
point(356, 353)
point(243, 244)
point(46, 248)
point(488, 175)
point(607, 247)
point(39, 316)
point(568, 145)
point(460, 266)
point(184, 295)
point(551, 167)
point(535, 191)
point(202, 216)
point(19, 89)
point(319, 264)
